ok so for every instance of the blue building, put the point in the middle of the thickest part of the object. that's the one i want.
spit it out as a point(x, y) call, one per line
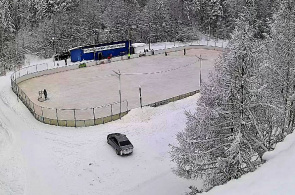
point(100, 51)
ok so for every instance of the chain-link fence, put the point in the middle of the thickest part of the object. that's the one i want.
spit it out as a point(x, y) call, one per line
point(88, 116)
point(69, 117)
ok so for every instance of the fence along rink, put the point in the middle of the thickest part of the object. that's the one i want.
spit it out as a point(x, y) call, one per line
point(87, 116)
point(67, 117)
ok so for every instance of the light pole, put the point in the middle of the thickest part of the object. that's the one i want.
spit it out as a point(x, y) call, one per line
point(119, 75)
point(130, 35)
point(53, 50)
point(200, 59)
point(95, 35)
point(94, 53)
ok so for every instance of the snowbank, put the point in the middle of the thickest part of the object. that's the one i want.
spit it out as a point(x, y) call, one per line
point(288, 143)
point(274, 177)
point(12, 174)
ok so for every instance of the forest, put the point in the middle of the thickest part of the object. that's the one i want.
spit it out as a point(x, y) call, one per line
point(247, 107)
point(46, 27)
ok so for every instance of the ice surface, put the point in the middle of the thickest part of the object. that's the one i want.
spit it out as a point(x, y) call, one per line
point(160, 77)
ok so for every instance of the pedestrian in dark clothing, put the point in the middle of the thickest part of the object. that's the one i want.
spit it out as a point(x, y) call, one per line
point(66, 62)
point(153, 53)
point(165, 53)
point(45, 94)
point(184, 52)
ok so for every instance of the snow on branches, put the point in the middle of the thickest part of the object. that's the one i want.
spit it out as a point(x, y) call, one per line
point(226, 136)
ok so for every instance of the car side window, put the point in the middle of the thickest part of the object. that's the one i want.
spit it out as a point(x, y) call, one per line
point(115, 141)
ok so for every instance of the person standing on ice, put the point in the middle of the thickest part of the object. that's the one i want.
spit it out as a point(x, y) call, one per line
point(109, 58)
point(184, 51)
point(45, 94)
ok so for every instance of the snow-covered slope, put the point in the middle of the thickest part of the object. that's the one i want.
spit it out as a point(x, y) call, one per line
point(42, 159)
point(275, 177)
point(11, 163)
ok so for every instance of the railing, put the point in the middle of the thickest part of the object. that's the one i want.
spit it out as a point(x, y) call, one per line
point(71, 117)
point(173, 99)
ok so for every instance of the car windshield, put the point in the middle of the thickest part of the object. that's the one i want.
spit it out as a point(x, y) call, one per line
point(125, 143)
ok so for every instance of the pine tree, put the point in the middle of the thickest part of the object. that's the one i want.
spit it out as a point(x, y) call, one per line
point(280, 71)
point(223, 139)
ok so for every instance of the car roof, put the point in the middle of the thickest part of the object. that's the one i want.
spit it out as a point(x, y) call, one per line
point(119, 136)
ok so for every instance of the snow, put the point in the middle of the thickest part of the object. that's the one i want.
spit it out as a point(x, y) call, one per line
point(274, 177)
point(43, 159)
point(138, 44)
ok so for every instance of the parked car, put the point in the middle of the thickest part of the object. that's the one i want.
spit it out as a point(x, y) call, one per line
point(120, 143)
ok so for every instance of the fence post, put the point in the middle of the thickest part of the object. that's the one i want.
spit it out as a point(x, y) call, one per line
point(17, 93)
point(111, 111)
point(42, 114)
point(93, 116)
point(140, 99)
point(75, 117)
point(56, 117)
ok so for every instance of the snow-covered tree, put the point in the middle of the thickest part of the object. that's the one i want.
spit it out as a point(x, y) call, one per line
point(223, 139)
point(281, 67)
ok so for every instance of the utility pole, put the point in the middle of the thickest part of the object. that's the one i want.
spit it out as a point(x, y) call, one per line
point(129, 40)
point(53, 51)
point(200, 70)
point(94, 53)
point(120, 93)
point(200, 59)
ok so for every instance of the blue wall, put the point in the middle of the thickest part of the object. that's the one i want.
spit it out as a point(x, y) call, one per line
point(81, 53)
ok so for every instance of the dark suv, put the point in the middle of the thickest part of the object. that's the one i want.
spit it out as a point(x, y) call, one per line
point(120, 143)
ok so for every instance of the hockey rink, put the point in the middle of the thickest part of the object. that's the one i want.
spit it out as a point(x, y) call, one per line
point(159, 77)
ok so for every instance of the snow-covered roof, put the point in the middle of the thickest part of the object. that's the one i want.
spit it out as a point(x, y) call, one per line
point(78, 47)
point(138, 44)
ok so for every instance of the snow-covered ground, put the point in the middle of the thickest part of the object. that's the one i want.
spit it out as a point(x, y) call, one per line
point(43, 159)
point(275, 177)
